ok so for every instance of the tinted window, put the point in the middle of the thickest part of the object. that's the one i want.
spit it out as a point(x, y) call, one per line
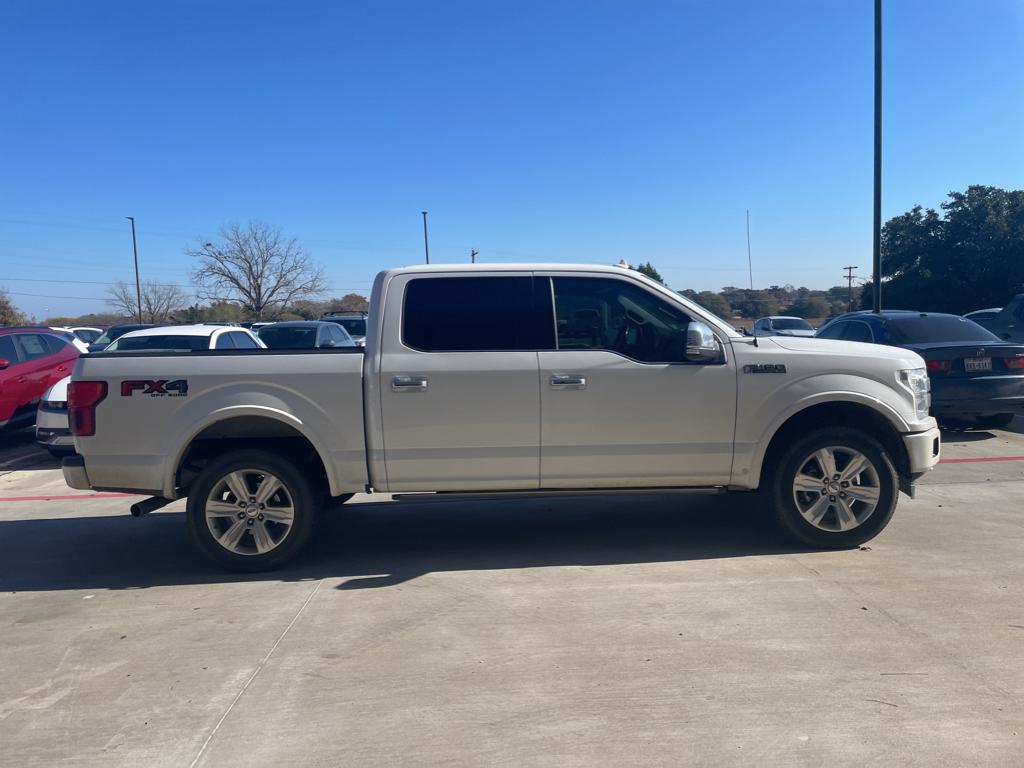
point(243, 340)
point(915, 329)
point(7, 350)
point(178, 343)
point(55, 344)
point(452, 314)
point(603, 313)
point(833, 331)
point(33, 345)
point(356, 326)
point(224, 341)
point(791, 325)
point(284, 337)
point(857, 331)
point(87, 335)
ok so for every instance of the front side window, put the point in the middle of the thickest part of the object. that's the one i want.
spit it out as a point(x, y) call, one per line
point(833, 331)
point(614, 315)
point(224, 341)
point(7, 350)
point(477, 314)
point(243, 340)
point(858, 331)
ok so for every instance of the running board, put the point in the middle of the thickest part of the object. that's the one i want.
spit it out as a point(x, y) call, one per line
point(551, 493)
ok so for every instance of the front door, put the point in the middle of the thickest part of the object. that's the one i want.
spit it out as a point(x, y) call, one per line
point(460, 402)
point(620, 404)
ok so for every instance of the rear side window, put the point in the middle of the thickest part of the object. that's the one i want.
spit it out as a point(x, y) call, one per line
point(33, 345)
point(477, 314)
point(243, 340)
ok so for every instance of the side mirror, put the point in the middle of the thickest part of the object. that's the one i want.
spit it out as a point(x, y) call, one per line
point(701, 344)
point(329, 343)
point(4, 364)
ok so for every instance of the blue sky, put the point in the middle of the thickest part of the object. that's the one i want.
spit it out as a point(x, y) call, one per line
point(554, 131)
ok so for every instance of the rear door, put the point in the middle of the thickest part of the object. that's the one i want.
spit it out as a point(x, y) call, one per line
point(460, 402)
point(620, 404)
point(13, 382)
point(34, 373)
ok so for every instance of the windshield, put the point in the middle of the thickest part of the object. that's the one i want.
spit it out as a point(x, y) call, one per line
point(87, 335)
point(288, 338)
point(136, 343)
point(936, 328)
point(356, 326)
point(791, 324)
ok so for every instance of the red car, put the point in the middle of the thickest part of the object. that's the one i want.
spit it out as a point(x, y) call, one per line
point(31, 361)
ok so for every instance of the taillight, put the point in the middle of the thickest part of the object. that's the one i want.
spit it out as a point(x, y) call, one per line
point(1016, 363)
point(939, 366)
point(83, 397)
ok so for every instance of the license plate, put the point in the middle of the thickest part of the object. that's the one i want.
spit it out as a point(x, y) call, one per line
point(977, 363)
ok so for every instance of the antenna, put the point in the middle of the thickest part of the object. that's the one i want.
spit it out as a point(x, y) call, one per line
point(750, 264)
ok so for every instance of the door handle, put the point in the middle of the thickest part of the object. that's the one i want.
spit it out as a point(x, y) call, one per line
point(567, 381)
point(408, 384)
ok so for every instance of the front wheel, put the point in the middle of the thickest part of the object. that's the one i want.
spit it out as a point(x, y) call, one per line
point(835, 488)
point(251, 510)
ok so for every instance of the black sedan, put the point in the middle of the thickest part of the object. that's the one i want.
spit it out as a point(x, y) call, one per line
point(976, 377)
point(304, 334)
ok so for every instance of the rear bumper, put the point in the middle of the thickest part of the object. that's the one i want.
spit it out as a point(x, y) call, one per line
point(54, 438)
point(74, 473)
point(980, 394)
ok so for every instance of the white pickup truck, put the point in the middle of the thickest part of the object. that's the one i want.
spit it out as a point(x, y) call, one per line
point(481, 380)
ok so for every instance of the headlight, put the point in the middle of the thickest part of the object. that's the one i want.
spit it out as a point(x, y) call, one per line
point(916, 381)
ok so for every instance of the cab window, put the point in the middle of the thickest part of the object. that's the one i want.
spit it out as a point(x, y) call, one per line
point(224, 342)
point(618, 316)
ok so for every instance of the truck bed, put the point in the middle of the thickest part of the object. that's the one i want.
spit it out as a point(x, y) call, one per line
point(160, 399)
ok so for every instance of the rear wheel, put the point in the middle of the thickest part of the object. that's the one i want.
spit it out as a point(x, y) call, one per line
point(251, 510)
point(835, 488)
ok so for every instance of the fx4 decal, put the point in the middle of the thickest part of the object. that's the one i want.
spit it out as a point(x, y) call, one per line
point(765, 368)
point(155, 388)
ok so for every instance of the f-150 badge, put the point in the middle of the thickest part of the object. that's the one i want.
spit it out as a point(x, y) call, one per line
point(765, 368)
point(155, 388)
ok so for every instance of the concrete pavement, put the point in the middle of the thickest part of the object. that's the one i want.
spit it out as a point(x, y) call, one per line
point(572, 632)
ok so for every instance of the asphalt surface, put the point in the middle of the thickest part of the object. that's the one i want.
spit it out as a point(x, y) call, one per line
point(616, 630)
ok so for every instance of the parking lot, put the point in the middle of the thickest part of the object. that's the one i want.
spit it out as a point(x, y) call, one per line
point(618, 630)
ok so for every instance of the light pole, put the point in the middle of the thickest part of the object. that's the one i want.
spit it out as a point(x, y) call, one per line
point(876, 234)
point(426, 243)
point(750, 264)
point(138, 285)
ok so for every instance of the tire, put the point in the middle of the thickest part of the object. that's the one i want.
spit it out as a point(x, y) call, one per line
point(839, 522)
point(261, 532)
point(994, 421)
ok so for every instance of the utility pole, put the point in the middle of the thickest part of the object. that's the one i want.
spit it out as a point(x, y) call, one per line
point(750, 264)
point(135, 253)
point(426, 244)
point(473, 253)
point(876, 234)
point(849, 287)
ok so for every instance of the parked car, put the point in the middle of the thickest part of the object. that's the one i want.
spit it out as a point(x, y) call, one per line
point(304, 334)
point(52, 427)
point(779, 325)
point(508, 379)
point(976, 377)
point(116, 332)
point(354, 324)
point(31, 359)
point(187, 338)
point(1008, 324)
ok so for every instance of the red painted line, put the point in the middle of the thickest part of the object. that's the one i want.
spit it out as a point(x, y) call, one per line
point(4, 499)
point(987, 458)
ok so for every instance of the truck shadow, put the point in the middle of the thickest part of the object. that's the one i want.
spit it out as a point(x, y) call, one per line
point(374, 545)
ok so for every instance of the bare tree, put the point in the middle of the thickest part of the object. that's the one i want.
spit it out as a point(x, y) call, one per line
point(159, 300)
point(257, 268)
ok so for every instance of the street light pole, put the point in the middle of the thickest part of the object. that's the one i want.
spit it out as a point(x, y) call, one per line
point(426, 243)
point(876, 234)
point(135, 253)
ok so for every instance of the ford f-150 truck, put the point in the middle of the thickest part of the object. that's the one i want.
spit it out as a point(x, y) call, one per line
point(481, 380)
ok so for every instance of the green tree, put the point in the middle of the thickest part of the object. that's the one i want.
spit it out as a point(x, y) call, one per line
point(970, 256)
point(9, 314)
point(810, 306)
point(714, 303)
point(649, 270)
